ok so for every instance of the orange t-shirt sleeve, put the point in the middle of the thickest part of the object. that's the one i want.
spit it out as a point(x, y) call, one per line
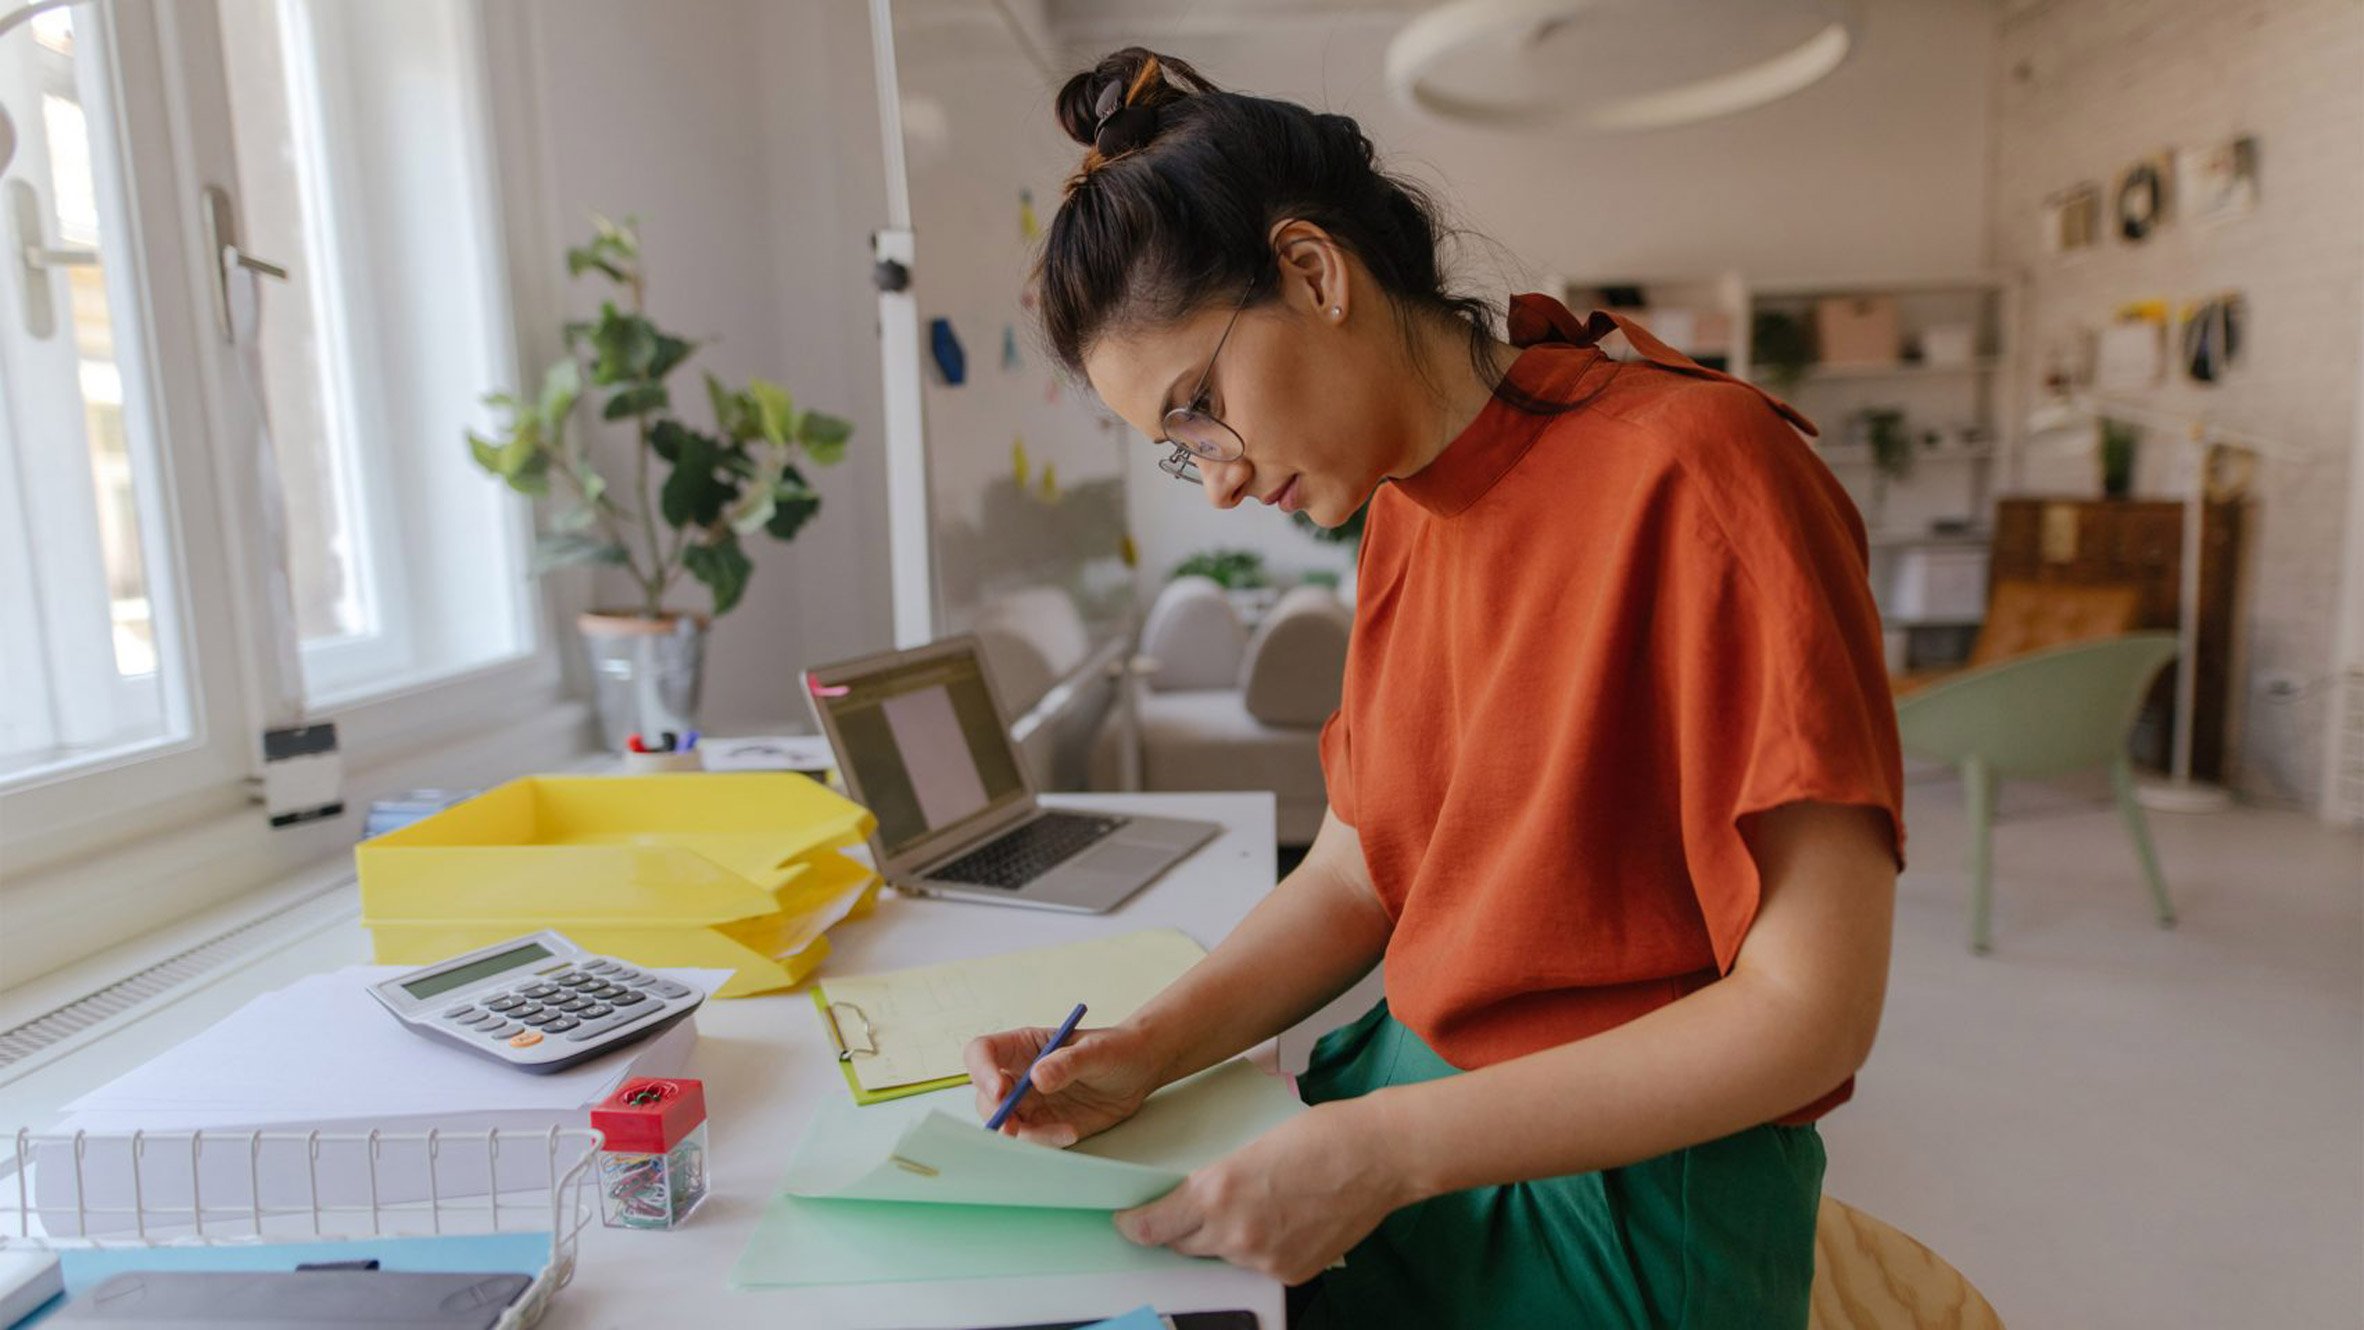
point(1778, 675)
point(1337, 779)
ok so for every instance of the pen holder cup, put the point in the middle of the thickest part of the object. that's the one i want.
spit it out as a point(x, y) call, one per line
point(641, 764)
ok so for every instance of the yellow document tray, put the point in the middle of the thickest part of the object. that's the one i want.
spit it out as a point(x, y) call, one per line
point(736, 870)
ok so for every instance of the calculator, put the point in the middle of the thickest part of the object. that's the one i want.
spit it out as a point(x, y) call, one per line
point(538, 1003)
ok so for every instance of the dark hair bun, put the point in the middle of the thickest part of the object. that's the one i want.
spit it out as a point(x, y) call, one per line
point(1112, 108)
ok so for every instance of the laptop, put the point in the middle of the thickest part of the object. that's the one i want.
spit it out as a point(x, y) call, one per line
point(922, 742)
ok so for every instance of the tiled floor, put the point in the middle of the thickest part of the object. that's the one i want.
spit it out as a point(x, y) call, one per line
point(2109, 1125)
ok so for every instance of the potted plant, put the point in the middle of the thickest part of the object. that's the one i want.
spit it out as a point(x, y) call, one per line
point(1782, 347)
point(1241, 575)
point(1233, 570)
point(2119, 439)
point(1891, 441)
point(694, 495)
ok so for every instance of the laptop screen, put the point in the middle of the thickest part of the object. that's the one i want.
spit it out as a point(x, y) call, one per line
point(925, 744)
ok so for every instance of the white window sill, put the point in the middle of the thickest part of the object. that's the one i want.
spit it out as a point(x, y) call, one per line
point(67, 924)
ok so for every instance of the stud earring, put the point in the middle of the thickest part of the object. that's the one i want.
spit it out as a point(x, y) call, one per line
point(1335, 311)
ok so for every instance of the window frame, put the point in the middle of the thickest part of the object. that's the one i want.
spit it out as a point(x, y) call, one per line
point(165, 69)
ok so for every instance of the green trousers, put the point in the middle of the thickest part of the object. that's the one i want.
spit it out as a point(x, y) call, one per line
point(1713, 1236)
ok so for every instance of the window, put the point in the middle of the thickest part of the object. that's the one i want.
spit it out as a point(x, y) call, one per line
point(91, 662)
point(361, 171)
point(149, 629)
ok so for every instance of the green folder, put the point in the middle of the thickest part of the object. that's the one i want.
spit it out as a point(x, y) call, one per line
point(918, 1190)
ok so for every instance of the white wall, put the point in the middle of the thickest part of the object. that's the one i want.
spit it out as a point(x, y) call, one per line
point(744, 136)
point(2081, 88)
point(1878, 171)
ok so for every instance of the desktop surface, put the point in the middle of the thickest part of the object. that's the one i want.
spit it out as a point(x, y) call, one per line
point(767, 1068)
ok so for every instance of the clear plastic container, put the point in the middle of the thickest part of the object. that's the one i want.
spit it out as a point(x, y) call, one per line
point(652, 1165)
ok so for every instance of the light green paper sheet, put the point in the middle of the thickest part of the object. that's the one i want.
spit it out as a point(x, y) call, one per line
point(984, 1204)
point(799, 1243)
point(931, 1149)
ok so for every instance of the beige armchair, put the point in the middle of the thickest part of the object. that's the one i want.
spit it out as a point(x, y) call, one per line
point(1219, 709)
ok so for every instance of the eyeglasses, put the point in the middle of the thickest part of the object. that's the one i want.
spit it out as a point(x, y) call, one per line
point(1196, 432)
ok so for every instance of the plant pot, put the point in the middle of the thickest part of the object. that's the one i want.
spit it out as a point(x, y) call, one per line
point(645, 673)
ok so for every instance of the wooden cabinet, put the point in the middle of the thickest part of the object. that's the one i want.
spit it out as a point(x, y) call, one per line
point(2139, 542)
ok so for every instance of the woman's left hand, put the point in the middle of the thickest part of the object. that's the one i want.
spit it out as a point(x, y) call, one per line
point(1287, 1204)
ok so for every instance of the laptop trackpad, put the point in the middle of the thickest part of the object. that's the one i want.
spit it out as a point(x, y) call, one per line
point(1118, 858)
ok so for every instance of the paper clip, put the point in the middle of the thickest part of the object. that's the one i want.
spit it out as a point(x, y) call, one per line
point(845, 1051)
point(825, 690)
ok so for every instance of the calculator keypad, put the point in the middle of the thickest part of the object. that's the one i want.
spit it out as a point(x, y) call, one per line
point(582, 1002)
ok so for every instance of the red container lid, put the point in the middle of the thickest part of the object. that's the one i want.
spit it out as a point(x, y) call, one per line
point(650, 1115)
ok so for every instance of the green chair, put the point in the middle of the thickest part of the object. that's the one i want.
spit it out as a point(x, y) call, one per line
point(2043, 714)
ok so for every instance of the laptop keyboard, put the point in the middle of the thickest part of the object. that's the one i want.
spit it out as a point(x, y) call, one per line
point(1012, 860)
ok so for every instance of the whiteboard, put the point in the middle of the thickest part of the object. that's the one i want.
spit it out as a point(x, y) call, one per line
point(1021, 468)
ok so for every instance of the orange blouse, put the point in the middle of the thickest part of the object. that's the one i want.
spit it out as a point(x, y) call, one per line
point(1585, 646)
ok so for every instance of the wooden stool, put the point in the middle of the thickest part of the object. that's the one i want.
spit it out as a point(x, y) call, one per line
point(1869, 1276)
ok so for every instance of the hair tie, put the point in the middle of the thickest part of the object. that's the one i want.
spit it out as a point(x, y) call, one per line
point(1119, 128)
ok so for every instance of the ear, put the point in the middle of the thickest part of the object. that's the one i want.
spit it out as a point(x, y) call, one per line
point(1313, 270)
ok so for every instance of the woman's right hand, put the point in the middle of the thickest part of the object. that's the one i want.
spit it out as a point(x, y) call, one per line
point(1096, 1080)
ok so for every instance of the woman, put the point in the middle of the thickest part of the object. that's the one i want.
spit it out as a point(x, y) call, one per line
point(1614, 789)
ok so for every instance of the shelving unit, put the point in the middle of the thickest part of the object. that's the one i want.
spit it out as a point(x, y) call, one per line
point(1702, 315)
point(1944, 505)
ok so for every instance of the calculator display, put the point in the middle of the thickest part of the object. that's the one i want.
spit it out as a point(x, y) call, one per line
point(475, 970)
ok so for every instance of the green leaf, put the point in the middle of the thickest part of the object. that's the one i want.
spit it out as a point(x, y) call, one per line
point(560, 387)
point(636, 399)
point(587, 258)
point(775, 410)
point(573, 518)
point(670, 352)
point(725, 403)
point(758, 459)
point(793, 505)
point(723, 566)
point(752, 509)
point(559, 549)
point(622, 345)
point(486, 452)
point(665, 439)
point(824, 435)
point(519, 448)
point(693, 496)
point(622, 239)
point(576, 331)
point(734, 412)
point(533, 475)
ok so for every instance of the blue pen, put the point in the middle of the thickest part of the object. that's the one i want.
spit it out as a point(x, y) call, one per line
point(1026, 1082)
point(689, 741)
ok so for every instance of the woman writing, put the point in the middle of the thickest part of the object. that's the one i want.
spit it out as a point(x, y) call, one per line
point(1614, 788)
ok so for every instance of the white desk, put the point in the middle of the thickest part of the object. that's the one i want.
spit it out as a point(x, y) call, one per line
point(767, 1067)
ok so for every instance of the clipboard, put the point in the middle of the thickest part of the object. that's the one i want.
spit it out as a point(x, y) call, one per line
point(836, 1025)
point(910, 1024)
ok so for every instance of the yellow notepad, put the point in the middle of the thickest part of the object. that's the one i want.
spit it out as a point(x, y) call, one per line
point(902, 1032)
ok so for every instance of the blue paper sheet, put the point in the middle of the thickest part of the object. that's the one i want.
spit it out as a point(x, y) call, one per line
point(456, 1253)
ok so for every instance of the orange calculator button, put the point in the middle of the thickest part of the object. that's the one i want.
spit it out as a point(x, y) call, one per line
point(525, 1039)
